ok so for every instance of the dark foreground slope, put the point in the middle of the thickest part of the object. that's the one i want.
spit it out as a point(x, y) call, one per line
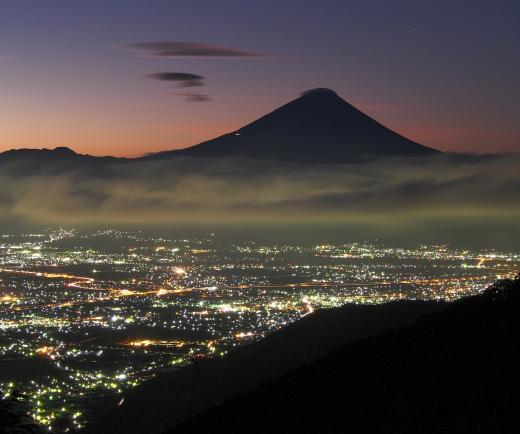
point(452, 372)
point(15, 420)
point(172, 397)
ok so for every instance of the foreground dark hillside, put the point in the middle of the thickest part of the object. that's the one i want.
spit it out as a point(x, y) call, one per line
point(14, 418)
point(172, 397)
point(452, 372)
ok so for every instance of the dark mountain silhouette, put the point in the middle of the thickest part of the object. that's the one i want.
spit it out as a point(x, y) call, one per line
point(47, 155)
point(50, 161)
point(172, 397)
point(452, 372)
point(318, 127)
point(35, 153)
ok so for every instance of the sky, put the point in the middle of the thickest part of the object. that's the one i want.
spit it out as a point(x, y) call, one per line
point(129, 77)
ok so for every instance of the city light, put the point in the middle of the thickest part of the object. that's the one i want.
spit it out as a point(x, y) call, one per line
point(116, 308)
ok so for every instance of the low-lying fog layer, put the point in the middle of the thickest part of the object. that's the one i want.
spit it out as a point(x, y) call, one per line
point(402, 193)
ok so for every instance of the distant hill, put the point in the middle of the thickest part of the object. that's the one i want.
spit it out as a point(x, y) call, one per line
point(48, 155)
point(171, 397)
point(22, 162)
point(318, 127)
point(452, 372)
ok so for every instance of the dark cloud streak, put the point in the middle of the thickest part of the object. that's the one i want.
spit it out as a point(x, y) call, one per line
point(187, 49)
point(183, 79)
point(193, 96)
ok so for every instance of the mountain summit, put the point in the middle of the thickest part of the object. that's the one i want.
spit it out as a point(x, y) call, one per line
point(317, 127)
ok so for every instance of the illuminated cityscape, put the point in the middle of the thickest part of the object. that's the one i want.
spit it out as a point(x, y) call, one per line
point(90, 315)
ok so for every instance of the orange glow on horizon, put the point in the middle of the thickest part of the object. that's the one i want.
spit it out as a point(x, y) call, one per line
point(130, 132)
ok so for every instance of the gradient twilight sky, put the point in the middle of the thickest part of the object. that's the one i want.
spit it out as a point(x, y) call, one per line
point(444, 73)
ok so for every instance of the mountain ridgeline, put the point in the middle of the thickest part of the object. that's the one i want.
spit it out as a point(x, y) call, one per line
point(317, 127)
point(170, 398)
point(454, 371)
